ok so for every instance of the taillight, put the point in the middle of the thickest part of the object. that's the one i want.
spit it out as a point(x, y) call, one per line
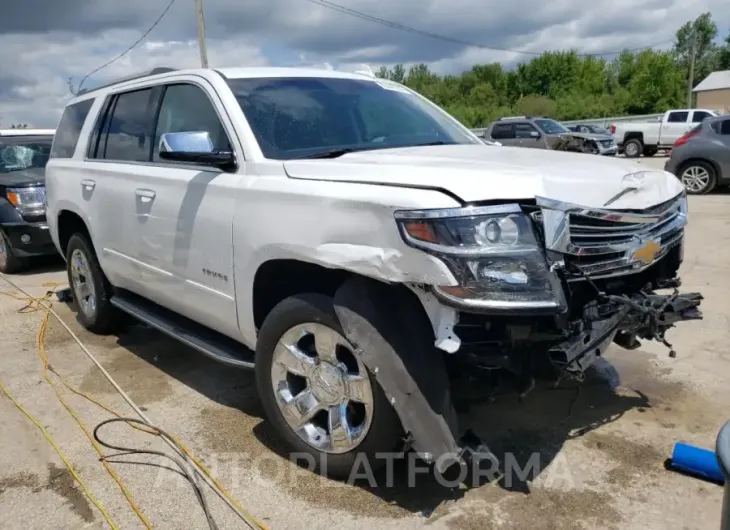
point(613, 129)
point(683, 139)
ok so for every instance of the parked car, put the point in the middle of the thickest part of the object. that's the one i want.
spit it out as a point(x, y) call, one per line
point(647, 138)
point(23, 230)
point(701, 158)
point(544, 133)
point(355, 245)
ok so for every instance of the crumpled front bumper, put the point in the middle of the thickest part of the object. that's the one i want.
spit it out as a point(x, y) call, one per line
point(642, 316)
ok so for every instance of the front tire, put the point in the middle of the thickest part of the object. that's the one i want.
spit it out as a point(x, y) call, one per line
point(316, 392)
point(90, 288)
point(9, 262)
point(698, 178)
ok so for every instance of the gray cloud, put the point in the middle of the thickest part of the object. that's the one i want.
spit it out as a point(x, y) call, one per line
point(45, 42)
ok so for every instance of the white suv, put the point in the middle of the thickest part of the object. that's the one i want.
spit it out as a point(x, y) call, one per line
point(356, 245)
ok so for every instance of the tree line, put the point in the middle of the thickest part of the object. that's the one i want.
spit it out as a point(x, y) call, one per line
point(568, 86)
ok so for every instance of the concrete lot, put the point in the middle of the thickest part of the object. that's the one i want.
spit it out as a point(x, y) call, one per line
point(601, 449)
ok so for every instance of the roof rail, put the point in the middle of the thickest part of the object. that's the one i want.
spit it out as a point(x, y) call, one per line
point(140, 75)
point(515, 118)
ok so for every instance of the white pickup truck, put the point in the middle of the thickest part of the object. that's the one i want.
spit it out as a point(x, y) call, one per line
point(636, 138)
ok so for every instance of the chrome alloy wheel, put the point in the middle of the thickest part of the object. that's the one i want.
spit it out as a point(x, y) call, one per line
point(83, 285)
point(322, 388)
point(695, 179)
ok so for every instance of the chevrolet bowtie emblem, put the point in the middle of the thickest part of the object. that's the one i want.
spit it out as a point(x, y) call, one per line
point(646, 253)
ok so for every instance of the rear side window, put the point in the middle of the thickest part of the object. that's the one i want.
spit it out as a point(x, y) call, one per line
point(724, 127)
point(502, 131)
point(69, 129)
point(678, 117)
point(127, 132)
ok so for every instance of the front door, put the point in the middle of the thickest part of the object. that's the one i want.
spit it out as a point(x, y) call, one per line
point(184, 215)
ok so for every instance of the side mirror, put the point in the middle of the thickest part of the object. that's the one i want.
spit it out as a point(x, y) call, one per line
point(534, 134)
point(195, 147)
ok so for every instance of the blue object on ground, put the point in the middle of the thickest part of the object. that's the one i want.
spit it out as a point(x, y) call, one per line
point(722, 448)
point(697, 461)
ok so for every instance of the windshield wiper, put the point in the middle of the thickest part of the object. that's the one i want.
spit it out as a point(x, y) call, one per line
point(336, 153)
point(332, 153)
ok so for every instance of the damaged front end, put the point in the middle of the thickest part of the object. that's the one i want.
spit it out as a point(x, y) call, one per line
point(543, 289)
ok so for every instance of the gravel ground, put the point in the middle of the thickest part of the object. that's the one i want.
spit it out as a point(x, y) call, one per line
point(601, 450)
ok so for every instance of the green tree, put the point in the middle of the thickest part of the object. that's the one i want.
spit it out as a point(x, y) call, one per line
point(701, 33)
point(723, 55)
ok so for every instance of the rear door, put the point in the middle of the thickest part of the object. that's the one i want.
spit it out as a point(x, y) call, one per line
point(677, 123)
point(722, 155)
point(120, 145)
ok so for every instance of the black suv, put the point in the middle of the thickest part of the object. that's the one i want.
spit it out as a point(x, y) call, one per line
point(23, 229)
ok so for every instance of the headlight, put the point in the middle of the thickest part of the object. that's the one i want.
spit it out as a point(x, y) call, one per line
point(28, 201)
point(492, 251)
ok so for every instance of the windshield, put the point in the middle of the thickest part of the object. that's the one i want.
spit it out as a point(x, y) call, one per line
point(300, 117)
point(551, 126)
point(23, 153)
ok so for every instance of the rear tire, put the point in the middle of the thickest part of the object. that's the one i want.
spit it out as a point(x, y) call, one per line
point(633, 148)
point(90, 288)
point(698, 177)
point(301, 316)
point(9, 262)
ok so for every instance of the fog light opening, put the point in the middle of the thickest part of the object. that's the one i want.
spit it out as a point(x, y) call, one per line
point(25, 238)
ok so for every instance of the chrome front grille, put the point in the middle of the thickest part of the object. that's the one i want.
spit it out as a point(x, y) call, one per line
point(605, 243)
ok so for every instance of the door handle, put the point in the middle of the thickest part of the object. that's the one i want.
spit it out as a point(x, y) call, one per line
point(145, 195)
point(88, 185)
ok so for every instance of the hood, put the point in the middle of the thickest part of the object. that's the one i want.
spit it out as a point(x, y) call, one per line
point(480, 173)
point(23, 178)
point(588, 136)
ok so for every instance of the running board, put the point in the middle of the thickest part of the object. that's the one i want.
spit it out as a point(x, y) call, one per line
point(208, 342)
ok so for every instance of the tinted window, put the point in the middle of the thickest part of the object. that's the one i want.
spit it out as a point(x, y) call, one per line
point(129, 127)
point(700, 115)
point(186, 108)
point(502, 131)
point(294, 117)
point(524, 130)
point(69, 129)
point(678, 117)
point(724, 127)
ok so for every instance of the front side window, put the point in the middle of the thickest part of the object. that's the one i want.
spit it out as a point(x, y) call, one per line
point(186, 108)
point(24, 152)
point(69, 129)
point(129, 126)
point(301, 117)
point(551, 126)
point(699, 115)
point(524, 130)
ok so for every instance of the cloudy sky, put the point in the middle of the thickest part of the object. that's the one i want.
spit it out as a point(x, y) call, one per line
point(46, 42)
